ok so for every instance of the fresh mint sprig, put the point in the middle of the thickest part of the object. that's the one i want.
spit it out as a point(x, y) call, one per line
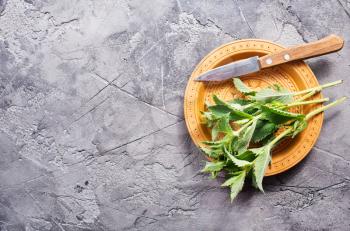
point(257, 118)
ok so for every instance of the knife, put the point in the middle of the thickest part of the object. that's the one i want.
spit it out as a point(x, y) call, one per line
point(329, 44)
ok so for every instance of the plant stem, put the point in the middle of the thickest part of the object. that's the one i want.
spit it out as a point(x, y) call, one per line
point(308, 116)
point(311, 93)
point(249, 123)
point(318, 88)
point(242, 121)
point(306, 102)
point(321, 109)
point(280, 136)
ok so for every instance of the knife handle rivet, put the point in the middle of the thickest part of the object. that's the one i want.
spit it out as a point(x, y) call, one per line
point(268, 61)
point(286, 57)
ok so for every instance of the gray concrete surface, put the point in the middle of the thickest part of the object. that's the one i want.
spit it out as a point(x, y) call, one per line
point(92, 134)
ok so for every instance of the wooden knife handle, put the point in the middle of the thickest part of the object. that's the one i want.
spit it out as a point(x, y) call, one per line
point(329, 44)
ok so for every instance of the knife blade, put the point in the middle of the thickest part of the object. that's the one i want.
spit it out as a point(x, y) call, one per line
point(238, 68)
point(329, 44)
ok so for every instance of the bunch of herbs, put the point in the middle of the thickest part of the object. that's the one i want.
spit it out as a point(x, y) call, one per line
point(261, 119)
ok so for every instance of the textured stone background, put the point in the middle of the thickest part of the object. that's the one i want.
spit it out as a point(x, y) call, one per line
point(92, 134)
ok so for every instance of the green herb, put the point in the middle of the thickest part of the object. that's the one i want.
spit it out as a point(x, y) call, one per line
point(259, 115)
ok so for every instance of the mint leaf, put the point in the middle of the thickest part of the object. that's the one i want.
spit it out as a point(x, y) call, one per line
point(263, 129)
point(218, 101)
point(235, 114)
point(235, 183)
point(268, 95)
point(244, 138)
point(213, 168)
point(241, 102)
point(278, 116)
point(223, 124)
point(247, 155)
point(219, 110)
point(241, 87)
point(237, 162)
point(212, 153)
point(260, 164)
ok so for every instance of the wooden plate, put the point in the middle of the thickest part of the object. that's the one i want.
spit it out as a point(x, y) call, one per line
point(294, 76)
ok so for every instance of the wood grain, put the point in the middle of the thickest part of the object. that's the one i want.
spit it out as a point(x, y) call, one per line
point(329, 44)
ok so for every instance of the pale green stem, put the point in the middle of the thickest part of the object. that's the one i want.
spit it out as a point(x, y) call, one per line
point(321, 109)
point(306, 102)
point(280, 136)
point(308, 116)
point(249, 123)
point(242, 121)
point(318, 88)
point(304, 97)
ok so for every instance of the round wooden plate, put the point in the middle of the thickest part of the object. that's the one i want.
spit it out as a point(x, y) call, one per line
point(294, 76)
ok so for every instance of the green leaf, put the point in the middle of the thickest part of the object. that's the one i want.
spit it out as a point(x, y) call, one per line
point(235, 114)
point(278, 116)
point(278, 94)
point(241, 102)
point(213, 167)
point(263, 129)
point(237, 162)
point(247, 155)
point(260, 164)
point(219, 110)
point(223, 125)
point(211, 152)
point(288, 98)
point(218, 101)
point(235, 183)
point(241, 87)
point(251, 110)
point(238, 115)
point(208, 118)
point(244, 138)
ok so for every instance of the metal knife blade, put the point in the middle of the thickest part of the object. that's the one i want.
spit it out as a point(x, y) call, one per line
point(235, 69)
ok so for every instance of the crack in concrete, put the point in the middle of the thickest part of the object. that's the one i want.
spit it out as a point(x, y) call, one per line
point(150, 49)
point(244, 19)
point(344, 8)
point(162, 85)
point(88, 112)
point(63, 22)
point(333, 154)
point(333, 173)
point(294, 14)
point(137, 139)
point(108, 84)
point(218, 27)
point(133, 96)
point(145, 102)
point(124, 212)
point(310, 189)
point(179, 5)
